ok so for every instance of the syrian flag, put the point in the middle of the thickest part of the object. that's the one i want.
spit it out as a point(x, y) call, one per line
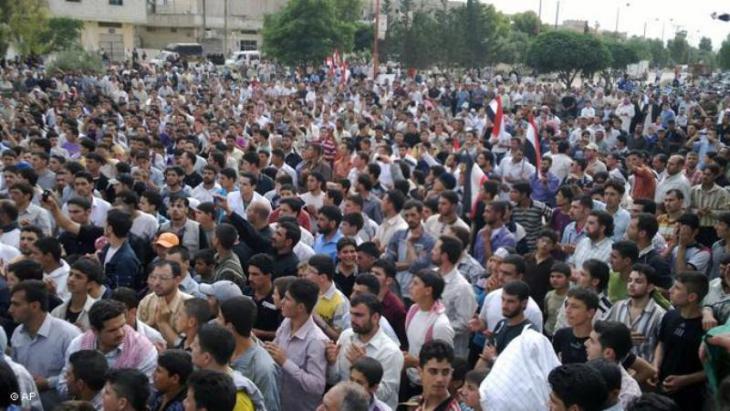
point(533, 151)
point(473, 188)
point(496, 115)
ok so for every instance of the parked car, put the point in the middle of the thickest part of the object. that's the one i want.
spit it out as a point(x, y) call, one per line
point(248, 57)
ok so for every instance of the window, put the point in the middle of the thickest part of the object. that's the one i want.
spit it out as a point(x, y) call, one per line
point(116, 2)
point(247, 45)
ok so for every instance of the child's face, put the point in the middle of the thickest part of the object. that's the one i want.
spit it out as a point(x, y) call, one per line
point(469, 394)
point(558, 280)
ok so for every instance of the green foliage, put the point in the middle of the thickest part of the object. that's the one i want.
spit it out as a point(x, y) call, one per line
point(621, 55)
point(62, 33)
point(527, 22)
point(650, 49)
point(706, 44)
point(306, 32)
point(348, 10)
point(723, 56)
point(77, 60)
point(568, 53)
point(678, 48)
point(363, 37)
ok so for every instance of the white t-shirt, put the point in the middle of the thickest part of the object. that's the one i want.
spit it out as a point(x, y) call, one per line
point(416, 334)
point(491, 312)
point(145, 226)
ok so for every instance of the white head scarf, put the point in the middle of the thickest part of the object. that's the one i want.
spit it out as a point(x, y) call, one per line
point(518, 379)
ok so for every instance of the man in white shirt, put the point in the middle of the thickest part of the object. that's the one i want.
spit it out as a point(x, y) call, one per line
point(47, 251)
point(458, 296)
point(84, 187)
point(366, 338)
point(674, 179)
point(241, 200)
point(392, 204)
point(206, 191)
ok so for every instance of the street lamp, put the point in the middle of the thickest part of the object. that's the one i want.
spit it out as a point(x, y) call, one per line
point(618, 12)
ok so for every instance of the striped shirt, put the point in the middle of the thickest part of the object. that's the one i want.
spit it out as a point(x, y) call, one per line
point(587, 249)
point(717, 199)
point(532, 218)
point(646, 324)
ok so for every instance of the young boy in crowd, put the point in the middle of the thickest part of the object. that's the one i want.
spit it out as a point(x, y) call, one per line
point(555, 298)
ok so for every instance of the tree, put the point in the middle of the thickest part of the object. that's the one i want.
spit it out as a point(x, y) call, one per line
point(723, 56)
point(348, 10)
point(621, 56)
point(706, 44)
point(527, 22)
point(306, 32)
point(62, 33)
point(568, 53)
point(27, 22)
point(679, 48)
point(363, 37)
point(76, 59)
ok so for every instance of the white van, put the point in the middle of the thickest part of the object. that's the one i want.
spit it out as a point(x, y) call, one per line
point(248, 57)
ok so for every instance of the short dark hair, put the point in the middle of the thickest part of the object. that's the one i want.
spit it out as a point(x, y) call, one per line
point(126, 296)
point(174, 266)
point(648, 205)
point(609, 371)
point(90, 268)
point(651, 401)
point(49, 245)
point(438, 350)
point(154, 198)
point(432, 280)
point(176, 362)
point(696, 283)
point(516, 260)
point(323, 264)
point(212, 390)
point(26, 270)
point(562, 268)
point(371, 301)
point(8, 386)
point(578, 384)
point(648, 223)
point(35, 292)
point(180, 249)
point(627, 249)
point(599, 270)
point(345, 242)
point(450, 196)
point(369, 281)
point(304, 292)
point(614, 335)
point(263, 262)
point(452, 247)
point(197, 309)
point(648, 272)
point(119, 222)
point(586, 296)
point(354, 219)
point(293, 231)
point(241, 313)
point(690, 220)
point(89, 366)
point(370, 368)
point(397, 198)
point(605, 220)
point(331, 213)
point(226, 235)
point(519, 289)
point(104, 310)
point(131, 384)
point(387, 266)
point(217, 341)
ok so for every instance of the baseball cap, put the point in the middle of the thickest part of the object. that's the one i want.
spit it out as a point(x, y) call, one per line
point(222, 290)
point(167, 240)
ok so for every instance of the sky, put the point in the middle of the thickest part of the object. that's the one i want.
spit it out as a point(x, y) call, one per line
point(692, 16)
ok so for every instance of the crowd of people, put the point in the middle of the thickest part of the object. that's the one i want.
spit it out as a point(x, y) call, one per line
point(179, 239)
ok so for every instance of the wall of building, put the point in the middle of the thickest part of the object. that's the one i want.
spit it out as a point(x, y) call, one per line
point(159, 37)
point(131, 11)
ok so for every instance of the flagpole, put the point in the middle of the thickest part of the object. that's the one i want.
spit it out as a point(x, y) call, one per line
point(376, 33)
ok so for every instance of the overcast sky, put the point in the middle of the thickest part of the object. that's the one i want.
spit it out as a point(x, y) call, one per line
point(692, 15)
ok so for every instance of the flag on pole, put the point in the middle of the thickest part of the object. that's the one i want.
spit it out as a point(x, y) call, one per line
point(533, 139)
point(496, 115)
point(472, 190)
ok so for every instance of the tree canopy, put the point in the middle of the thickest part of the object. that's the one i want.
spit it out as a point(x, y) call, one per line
point(568, 53)
point(723, 56)
point(306, 32)
point(27, 25)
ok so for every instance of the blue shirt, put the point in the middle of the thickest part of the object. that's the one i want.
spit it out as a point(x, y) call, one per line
point(571, 235)
point(329, 247)
point(397, 250)
point(258, 366)
point(621, 221)
point(544, 192)
point(500, 238)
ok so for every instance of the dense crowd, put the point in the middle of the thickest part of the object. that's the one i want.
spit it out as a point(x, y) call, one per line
point(191, 238)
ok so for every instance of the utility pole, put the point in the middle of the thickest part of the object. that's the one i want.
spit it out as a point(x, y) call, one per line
point(539, 16)
point(204, 15)
point(557, 13)
point(376, 40)
point(225, 27)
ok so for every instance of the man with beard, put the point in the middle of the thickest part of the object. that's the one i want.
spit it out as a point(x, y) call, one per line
point(597, 243)
point(494, 234)
point(515, 296)
point(544, 183)
point(409, 249)
point(165, 303)
point(366, 338)
point(187, 230)
point(209, 188)
point(328, 221)
point(28, 236)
